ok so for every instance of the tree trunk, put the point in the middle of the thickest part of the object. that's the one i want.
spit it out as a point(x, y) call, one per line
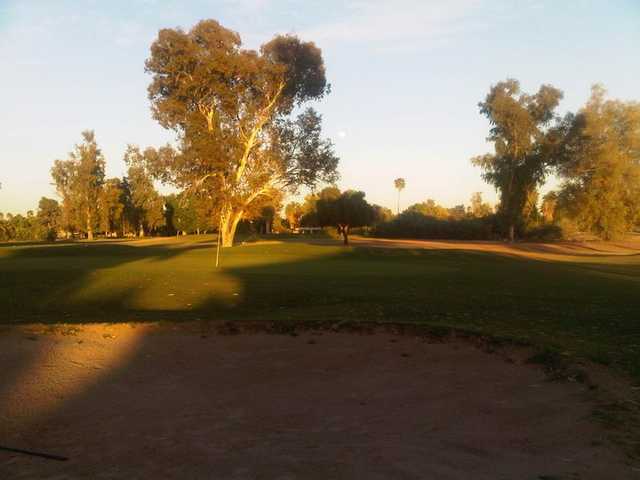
point(512, 232)
point(344, 229)
point(228, 226)
point(141, 232)
point(89, 227)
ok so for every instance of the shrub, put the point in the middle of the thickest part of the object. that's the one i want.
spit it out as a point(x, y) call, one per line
point(545, 232)
point(413, 224)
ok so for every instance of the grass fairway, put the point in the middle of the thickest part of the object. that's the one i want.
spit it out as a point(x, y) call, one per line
point(586, 304)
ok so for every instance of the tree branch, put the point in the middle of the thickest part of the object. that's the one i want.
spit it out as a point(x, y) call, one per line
point(262, 119)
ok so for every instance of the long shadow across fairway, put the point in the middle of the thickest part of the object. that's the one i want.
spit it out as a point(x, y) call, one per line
point(585, 306)
point(44, 283)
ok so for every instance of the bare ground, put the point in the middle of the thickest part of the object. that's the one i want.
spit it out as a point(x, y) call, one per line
point(148, 401)
point(566, 250)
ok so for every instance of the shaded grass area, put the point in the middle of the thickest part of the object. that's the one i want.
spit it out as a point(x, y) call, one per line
point(589, 306)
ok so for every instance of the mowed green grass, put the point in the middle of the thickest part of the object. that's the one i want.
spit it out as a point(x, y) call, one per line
point(588, 305)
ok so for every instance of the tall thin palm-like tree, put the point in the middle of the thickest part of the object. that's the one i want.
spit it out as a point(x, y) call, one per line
point(399, 184)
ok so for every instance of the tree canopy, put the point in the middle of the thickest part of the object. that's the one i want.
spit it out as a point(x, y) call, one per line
point(523, 145)
point(79, 181)
point(344, 210)
point(399, 183)
point(231, 109)
point(599, 160)
point(147, 206)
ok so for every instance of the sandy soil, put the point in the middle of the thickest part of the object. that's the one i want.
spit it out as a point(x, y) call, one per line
point(144, 401)
point(544, 251)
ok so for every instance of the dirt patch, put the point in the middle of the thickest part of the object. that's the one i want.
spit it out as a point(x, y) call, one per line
point(540, 251)
point(149, 401)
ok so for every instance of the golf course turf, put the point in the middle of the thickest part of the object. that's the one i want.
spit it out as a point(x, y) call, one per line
point(576, 302)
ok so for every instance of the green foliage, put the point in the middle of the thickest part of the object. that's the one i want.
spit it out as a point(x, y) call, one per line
point(181, 215)
point(111, 206)
point(399, 183)
point(79, 181)
point(478, 208)
point(343, 210)
point(545, 232)
point(230, 108)
point(147, 206)
point(42, 226)
point(429, 208)
point(549, 205)
point(457, 213)
point(49, 216)
point(293, 213)
point(412, 223)
point(522, 144)
point(381, 214)
point(600, 163)
point(22, 228)
point(306, 158)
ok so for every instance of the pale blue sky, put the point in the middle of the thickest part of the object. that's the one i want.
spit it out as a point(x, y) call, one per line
point(406, 76)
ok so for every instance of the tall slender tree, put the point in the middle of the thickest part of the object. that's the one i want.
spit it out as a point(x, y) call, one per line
point(478, 208)
point(147, 205)
point(399, 183)
point(79, 181)
point(520, 131)
point(111, 206)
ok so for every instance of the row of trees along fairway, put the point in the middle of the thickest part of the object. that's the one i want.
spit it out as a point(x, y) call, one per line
point(232, 109)
point(91, 203)
point(596, 153)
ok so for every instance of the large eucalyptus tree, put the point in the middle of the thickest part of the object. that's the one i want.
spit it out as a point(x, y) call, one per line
point(522, 132)
point(232, 111)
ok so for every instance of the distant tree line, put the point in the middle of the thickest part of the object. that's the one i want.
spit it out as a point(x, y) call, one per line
point(240, 152)
point(594, 152)
point(239, 148)
point(91, 203)
point(430, 220)
point(34, 226)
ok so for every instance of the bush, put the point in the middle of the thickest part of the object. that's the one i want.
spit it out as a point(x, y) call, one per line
point(50, 235)
point(544, 233)
point(413, 224)
point(569, 229)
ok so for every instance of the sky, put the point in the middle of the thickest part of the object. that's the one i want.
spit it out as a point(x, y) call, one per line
point(406, 77)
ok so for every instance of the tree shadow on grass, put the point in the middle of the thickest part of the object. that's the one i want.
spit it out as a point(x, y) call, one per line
point(544, 301)
point(46, 283)
point(580, 302)
point(120, 282)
